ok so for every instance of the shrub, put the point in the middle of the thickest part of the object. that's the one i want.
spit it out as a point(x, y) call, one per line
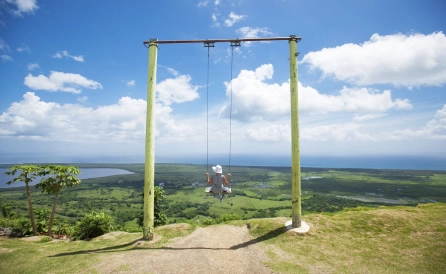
point(20, 226)
point(94, 224)
point(228, 217)
point(223, 218)
point(159, 217)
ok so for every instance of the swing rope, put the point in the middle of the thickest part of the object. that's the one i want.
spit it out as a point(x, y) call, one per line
point(233, 44)
point(230, 112)
point(208, 45)
point(207, 115)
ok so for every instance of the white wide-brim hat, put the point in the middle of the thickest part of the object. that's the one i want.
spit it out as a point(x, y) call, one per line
point(217, 169)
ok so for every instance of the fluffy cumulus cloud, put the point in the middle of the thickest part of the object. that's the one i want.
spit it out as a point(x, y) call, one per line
point(401, 60)
point(64, 53)
point(19, 7)
point(176, 90)
point(254, 99)
point(124, 121)
point(233, 18)
point(434, 129)
point(60, 81)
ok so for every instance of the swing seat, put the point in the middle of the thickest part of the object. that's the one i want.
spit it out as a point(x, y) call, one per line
point(208, 191)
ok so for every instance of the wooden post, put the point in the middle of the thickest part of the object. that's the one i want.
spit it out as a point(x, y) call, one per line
point(149, 168)
point(295, 152)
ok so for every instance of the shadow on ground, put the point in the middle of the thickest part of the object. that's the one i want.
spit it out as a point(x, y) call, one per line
point(265, 237)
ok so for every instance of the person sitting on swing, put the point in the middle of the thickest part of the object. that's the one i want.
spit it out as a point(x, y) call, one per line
point(217, 181)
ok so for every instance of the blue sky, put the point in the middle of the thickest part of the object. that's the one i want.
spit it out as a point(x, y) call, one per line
point(73, 79)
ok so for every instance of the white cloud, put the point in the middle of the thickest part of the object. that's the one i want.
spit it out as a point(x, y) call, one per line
point(24, 48)
point(5, 57)
point(273, 133)
point(367, 117)
point(401, 60)
point(23, 6)
point(32, 66)
point(124, 121)
point(64, 53)
point(131, 83)
point(233, 18)
point(202, 4)
point(217, 2)
point(434, 129)
point(176, 90)
point(248, 32)
point(82, 99)
point(4, 47)
point(172, 71)
point(254, 99)
point(60, 81)
point(215, 20)
point(337, 132)
point(321, 133)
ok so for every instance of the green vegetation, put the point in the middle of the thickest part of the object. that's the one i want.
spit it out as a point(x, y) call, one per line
point(258, 192)
point(396, 239)
point(94, 224)
point(159, 217)
point(53, 178)
point(384, 240)
point(57, 177)
point(41, 255)
point(26, 174)
point(371, 221)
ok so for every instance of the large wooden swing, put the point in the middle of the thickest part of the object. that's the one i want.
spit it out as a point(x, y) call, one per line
point(149, 175)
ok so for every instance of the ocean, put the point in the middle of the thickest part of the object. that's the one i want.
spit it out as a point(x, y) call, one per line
point(86, 173)
point(367, 162)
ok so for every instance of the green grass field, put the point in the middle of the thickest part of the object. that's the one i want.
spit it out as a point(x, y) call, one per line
point(257, 192)
point(381, 240)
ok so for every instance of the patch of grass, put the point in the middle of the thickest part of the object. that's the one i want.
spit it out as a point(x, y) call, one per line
point(41, 255)
point(384, 240)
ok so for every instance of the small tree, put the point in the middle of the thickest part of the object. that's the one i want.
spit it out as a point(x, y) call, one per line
point(160, 217)
point(6, 211)
point(26, 174)
point(58, 177)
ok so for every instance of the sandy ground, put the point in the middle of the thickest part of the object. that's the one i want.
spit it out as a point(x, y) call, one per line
point(214, 249)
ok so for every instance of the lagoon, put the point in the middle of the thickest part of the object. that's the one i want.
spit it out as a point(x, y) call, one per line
point(86, 173)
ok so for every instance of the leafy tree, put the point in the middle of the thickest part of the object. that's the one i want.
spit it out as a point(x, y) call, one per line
point(26, 174)
point(58, 177)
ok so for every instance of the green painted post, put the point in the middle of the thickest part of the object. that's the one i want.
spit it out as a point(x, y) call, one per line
point(295, 152)
point(149, 170)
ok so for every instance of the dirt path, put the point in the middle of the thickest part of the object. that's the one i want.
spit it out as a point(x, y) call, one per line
point(215, 249)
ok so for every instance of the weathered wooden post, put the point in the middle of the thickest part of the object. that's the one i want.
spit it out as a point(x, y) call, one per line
point(149, 168)
point(295, 152)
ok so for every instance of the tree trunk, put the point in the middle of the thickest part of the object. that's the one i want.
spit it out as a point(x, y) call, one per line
point(50, 225)
point(31, 213)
